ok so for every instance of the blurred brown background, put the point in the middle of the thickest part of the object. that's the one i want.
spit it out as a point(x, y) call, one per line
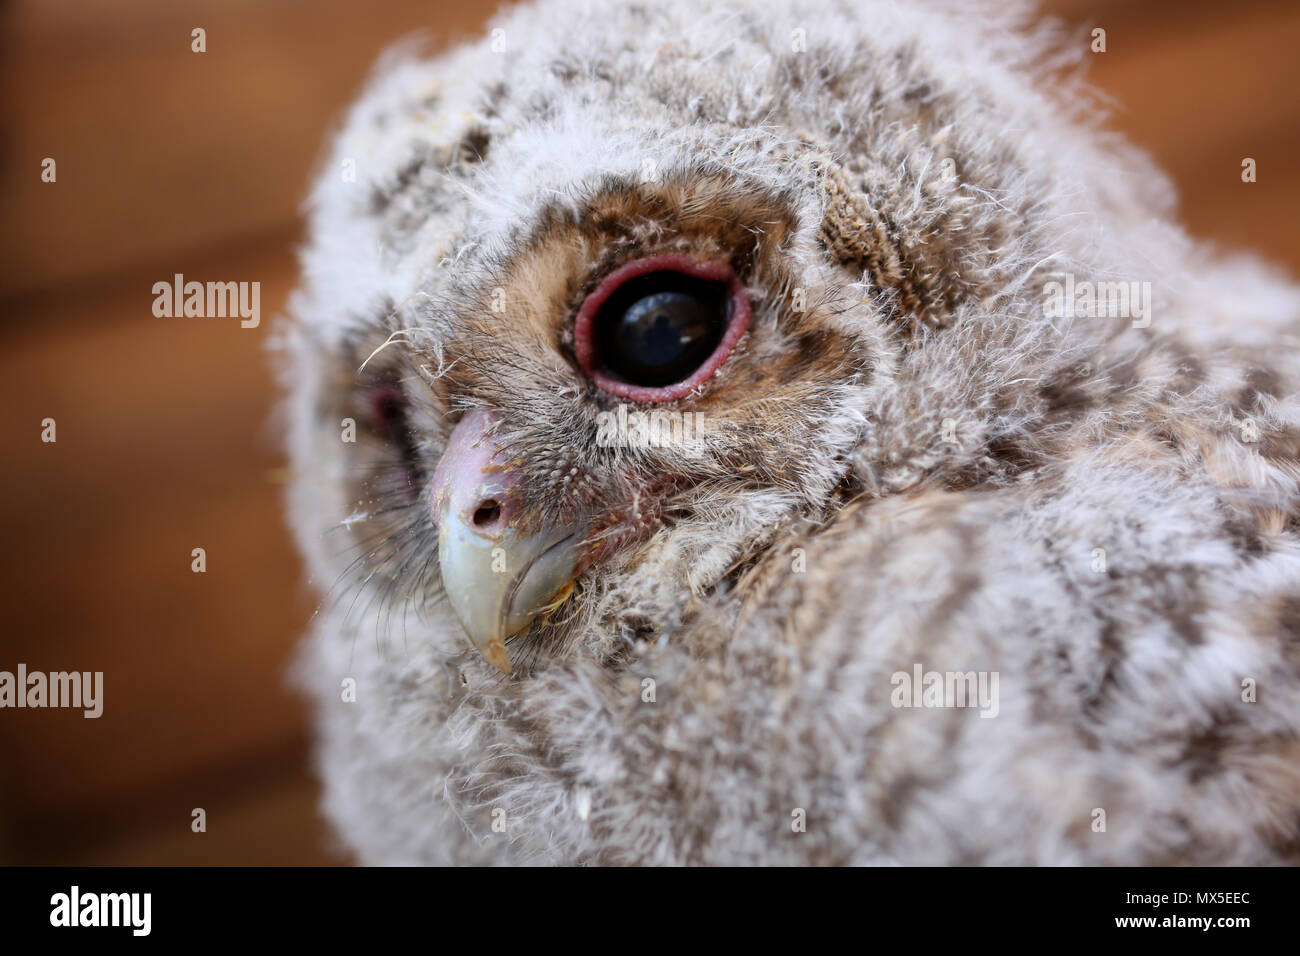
point(171, 161)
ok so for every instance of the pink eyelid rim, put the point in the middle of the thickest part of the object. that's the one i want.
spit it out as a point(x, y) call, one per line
point(584, 333)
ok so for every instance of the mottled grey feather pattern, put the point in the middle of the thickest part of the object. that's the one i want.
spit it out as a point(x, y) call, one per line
point(912, 463)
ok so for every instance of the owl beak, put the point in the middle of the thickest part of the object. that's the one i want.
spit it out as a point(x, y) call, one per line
point(498, 576)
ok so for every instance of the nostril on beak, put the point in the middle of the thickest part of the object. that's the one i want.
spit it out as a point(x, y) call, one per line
point(487, 513)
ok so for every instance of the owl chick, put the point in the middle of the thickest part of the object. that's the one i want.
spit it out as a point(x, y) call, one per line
point(787, 432)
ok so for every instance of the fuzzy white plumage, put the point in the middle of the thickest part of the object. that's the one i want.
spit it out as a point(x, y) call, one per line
point(911, 460)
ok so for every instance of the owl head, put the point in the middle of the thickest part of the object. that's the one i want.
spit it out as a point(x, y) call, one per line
point(596, 307)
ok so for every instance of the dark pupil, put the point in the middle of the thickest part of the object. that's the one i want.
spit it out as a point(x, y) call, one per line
point(657, 329)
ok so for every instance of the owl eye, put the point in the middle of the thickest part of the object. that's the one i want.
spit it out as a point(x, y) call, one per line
point(657, 328)
point(388, 411)
point(388, 418)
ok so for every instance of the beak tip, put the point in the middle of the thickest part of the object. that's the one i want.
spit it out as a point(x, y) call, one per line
point(498, 656)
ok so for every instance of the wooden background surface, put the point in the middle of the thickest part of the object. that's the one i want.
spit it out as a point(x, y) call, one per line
point(170, 161)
